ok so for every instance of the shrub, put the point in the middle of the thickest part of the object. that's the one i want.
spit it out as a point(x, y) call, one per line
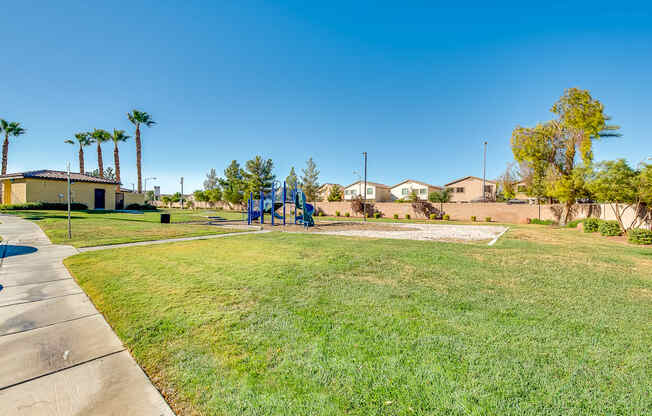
point(487, 219)
point(337, 213)
point(138, 207)
point(55, 206)
point(433, 216)
point(360, 207)
point(609, 228)
point(407, 216)
point(540, 222)
point(378, 214)
point(347, 214)
point(640, 236)
point(473, 218)
point(574, 223)
point(424, 208)
point(395, 216)
point(591, 225)
point(447, 217)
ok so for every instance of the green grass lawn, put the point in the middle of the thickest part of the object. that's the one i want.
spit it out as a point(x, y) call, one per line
point(93, 228)
point(548, 321)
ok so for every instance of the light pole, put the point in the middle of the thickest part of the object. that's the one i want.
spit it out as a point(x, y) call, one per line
point(364, 206)
point(146, 179)
point(69, 226)
point(261, 214)
point(484, 173)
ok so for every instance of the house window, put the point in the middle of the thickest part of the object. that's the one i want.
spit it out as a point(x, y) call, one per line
point(347, 192)
point(459, 190)
point(370, 191)
point(488, 188)
point(404, 191)
point(353, 192)
point(423, 191)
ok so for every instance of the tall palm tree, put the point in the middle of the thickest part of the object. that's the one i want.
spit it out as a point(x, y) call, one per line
point(100, 136)
point(117, 137)
point(137, 118)
point(9, 129)
point(83, 139)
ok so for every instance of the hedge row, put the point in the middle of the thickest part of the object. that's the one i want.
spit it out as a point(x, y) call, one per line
point(44, 206)
point(144, 207)
point(640, 236)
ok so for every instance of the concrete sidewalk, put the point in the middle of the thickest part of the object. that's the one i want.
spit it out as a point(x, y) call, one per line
point(57, 353)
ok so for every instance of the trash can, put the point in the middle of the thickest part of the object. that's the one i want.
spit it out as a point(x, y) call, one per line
point(165, 218)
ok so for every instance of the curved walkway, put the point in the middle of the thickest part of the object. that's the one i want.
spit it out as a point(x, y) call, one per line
point(57, 353)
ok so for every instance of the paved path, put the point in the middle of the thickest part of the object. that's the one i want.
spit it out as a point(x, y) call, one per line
point(169, 240)
point(58, 356)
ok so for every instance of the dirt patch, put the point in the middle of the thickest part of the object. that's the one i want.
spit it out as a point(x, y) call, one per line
point(337, 226)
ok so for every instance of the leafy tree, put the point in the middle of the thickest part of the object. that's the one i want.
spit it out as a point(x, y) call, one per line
point(12, 129)
point(233, 184)
point(507, 182)
point(100, 136)
point(336, 193)
point(83, 139)
point(291, 181)
point(167, 200)
point(442, 197)
point(138, 118)
point(214, 196)
point(212, 181)
point(258, 175)
point(310, 181)
point(176, 197)
point(118, 136)
point(149, 196)
point(622, 187)
point(200, 196)
point(554, 145)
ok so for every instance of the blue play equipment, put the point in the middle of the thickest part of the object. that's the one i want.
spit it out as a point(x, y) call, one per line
point(269, 203)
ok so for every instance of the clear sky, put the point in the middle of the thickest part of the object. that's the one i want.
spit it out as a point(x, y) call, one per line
point(416, 85)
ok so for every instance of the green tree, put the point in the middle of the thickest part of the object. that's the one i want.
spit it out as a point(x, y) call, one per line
point(138, 118)
point(118, 136)
point(310, 181)
point(441, 197)
point(507, 182)
point(554, 145)
point(233, 184)
point(258, 175)
point(167, 200)
point(292, 180)
point(9, 129)
point(83, 139)
point(214, 196)
point(622, 187)
point(100, 136)
point(336, 193)
point(149, 196)
point(212, 181)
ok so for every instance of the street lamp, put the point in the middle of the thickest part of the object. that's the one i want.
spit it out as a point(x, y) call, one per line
point(146, 179)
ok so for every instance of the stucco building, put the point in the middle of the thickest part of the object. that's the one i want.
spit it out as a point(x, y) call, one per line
point(52, 186)
point(403, 189)
point(469, 189)
point(375, 191)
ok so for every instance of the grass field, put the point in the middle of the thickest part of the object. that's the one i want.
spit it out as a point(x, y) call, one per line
point(93, 228)
point(547, 321)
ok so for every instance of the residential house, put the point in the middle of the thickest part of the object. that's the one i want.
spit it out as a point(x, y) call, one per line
point(325, 190)
point(469, 189)
point(404, 189)
point(375, 191)
point(52, 186)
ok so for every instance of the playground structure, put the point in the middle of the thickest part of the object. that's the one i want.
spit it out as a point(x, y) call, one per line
point(269, 203)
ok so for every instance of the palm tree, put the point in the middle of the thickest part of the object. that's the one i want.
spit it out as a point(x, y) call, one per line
point(137, 118)
point(9, 129)
point(117, 137)
point(100, 136)
point(84, 139)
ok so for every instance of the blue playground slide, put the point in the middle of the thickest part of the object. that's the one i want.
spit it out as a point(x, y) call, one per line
point(307, 210)
point(268, 204)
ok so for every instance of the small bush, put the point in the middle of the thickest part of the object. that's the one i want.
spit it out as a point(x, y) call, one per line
point(395, 216)
point(487, 219)
point(540, 222)
point(591, 225)
point(347, 214)
point(407, 216)
point(321, 213)
point(610, 228)
point(138, 207)
point(473, 218)
point(640, 236)
point(44, 205)
point(433, 216)
point(337, 213)
point(574, 223)
point(447, 217)
point(377, 214)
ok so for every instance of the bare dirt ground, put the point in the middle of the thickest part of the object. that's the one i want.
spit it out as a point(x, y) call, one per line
point(343, 226)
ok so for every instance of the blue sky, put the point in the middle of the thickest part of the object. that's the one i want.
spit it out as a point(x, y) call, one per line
point(419, 86)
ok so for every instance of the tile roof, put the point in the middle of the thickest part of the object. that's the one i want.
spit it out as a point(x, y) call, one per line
point(58, 175)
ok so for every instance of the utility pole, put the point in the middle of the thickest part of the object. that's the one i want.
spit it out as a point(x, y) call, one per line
point(69, 227)
point(484, 174)
point(364, 206)
point(182, 195)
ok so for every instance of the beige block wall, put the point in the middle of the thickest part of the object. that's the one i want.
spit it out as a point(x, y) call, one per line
point(134, 198)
